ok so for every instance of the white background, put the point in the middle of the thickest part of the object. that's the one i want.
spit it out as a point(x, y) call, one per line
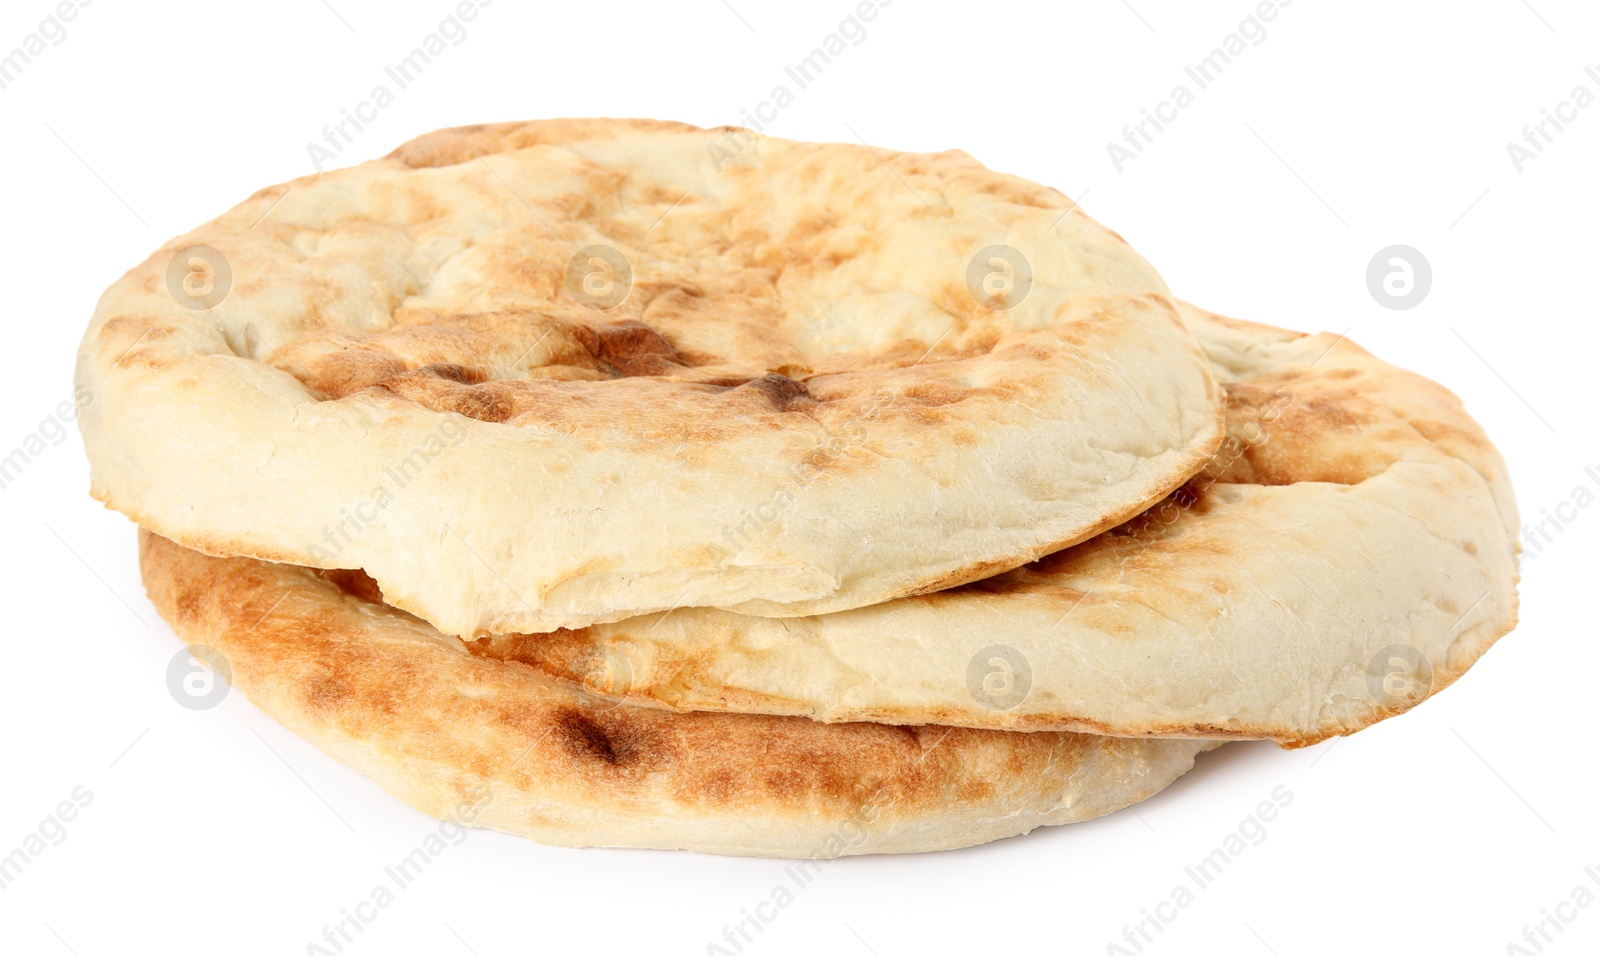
point(1351, 127)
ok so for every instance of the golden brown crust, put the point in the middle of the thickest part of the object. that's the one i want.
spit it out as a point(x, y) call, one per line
point(443, 729)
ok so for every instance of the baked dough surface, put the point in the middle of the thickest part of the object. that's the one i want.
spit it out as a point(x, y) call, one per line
point(1348, 552)
point(549, 374)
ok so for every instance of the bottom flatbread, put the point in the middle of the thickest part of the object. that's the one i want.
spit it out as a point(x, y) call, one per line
point(502, 745)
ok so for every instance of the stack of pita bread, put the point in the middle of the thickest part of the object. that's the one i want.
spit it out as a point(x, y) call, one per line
point(634, 484)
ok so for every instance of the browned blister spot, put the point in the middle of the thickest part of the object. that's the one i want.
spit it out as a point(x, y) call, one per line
point(350, 370)
point(974, 790)
point(354, 582)
point(130, 335)
point(452, 372)
point(485, 403)
point(326, 695)
point(800, 767)
point(779, 392)
point(624, 744)
point(1310, 429)
point(558, 651)
point(932, 392)
point(190, 603)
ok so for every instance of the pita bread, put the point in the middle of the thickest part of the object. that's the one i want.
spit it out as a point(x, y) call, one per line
point(503, 746)
point(1348, 552)
point(549, 374)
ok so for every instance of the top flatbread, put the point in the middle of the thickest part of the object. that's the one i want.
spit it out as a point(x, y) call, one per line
point(549, 374)
point(1348, 552)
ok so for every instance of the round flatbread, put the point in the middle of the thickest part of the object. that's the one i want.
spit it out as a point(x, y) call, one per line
point(501, 745)
point(1348, 552)
point(549, 374)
